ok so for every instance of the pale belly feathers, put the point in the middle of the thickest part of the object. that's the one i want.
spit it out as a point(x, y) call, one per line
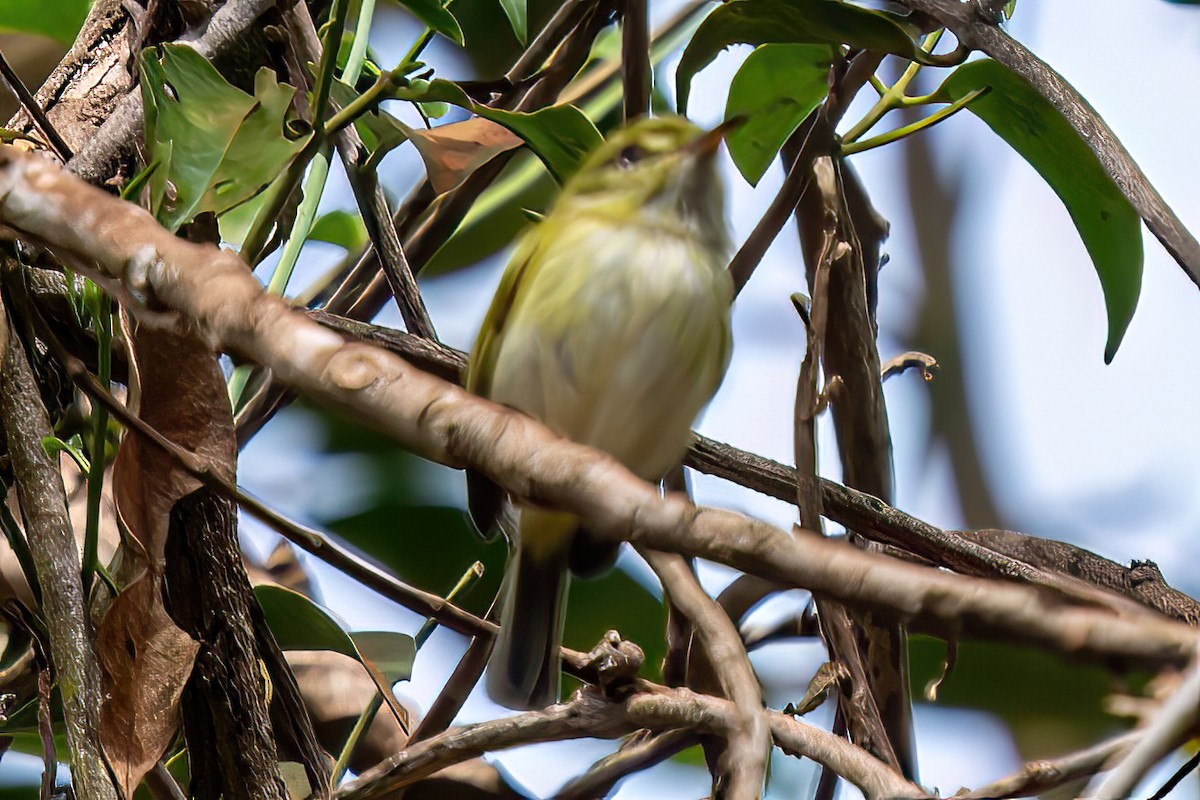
point(656, 312)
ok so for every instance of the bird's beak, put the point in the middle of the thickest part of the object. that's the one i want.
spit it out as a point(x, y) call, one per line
point(710, 142)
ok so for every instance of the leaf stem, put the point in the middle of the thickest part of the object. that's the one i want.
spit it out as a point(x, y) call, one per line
point(464, 585)
point(850, 148)
point(99, 442)
point(891, 97)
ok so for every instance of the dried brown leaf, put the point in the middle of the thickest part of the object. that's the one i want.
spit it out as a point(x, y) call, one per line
point(452, 152)
point(180, 392)
point(146, 660)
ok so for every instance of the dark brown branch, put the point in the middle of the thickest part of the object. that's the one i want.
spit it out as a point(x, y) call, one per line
point(33, 109)
point(636, 74)
point(95, 160)
point(981, 553)
point(977, 31)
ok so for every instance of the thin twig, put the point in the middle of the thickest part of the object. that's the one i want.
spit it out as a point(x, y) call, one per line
point(1039, 777)
point(643, 752)
point(742, 765)
point(1170, 727)
point(817, 141)
point(34, 109)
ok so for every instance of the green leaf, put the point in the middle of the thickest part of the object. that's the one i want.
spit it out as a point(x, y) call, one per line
point(216, 145)
point(776, 88)
point(518, 17)
point(1107, 223)
point(300, 624)
point(789, 22)
point(59, 20)
point(392, 653)
point(343, 228)
point(562, 136)
point(436, 17)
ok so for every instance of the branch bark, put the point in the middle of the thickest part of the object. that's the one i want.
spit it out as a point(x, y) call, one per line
point(56, 559)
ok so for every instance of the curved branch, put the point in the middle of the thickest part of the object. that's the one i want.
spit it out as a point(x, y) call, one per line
point(744, 761)
point(588, 715)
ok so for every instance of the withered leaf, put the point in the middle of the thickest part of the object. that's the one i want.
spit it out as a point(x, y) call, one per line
point(181, 393)
point(452, 152)
point(146, 660)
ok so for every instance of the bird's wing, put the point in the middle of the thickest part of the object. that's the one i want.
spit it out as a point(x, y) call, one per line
point(485, 500)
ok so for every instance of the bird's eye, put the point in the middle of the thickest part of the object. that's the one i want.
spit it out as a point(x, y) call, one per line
point(629, 156)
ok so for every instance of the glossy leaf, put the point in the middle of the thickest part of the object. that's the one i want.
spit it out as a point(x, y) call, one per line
point(789, 22)
point(216, 145)
point(777, 87)
point(437, 17)
point(59, 20)
point(343, 228)
point(1108, 224)
point(518, 16)
point(300, 624)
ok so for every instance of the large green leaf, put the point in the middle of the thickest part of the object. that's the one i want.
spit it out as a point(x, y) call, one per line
point(58, 19)
point(300, 624)
point(789, 22)
point(436, 17)
point(518, 17)
point(1108, 224)
point(777, 86)
point(216, 146)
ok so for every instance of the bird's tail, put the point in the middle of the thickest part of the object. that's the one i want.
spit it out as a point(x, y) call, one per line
point(523, 672)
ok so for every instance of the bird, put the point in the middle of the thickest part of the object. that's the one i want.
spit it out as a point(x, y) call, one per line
point(611, 325)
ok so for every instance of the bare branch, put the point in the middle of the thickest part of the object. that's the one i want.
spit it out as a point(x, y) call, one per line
point(1175, 722)
point(987, 553)
point(588, 715)
point(743, 763)
point(1037, 777)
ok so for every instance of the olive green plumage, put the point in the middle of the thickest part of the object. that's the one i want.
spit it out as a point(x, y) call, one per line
point(611, 325)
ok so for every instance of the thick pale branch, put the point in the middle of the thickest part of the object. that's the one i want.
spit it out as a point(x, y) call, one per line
point(1004, 554)
point(216, 294)
point(588, 715)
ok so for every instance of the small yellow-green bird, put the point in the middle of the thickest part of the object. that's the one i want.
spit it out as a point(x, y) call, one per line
point(611, 326)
